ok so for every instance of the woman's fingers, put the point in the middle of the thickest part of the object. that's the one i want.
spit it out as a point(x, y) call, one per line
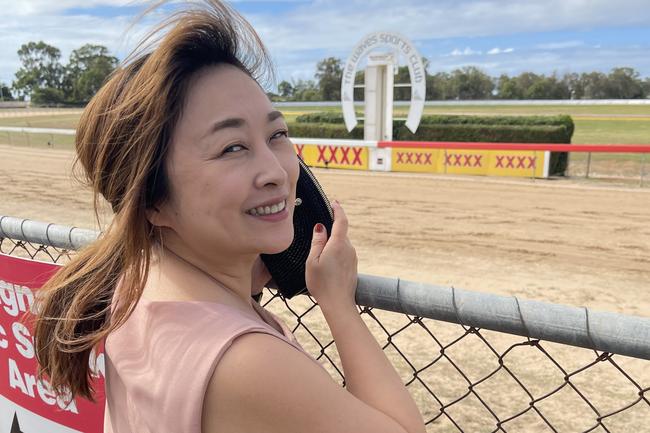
point(340, 226)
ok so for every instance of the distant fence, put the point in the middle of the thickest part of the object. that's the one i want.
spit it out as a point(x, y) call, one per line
point(463, 376)
point(13, 104)
point(486, 102)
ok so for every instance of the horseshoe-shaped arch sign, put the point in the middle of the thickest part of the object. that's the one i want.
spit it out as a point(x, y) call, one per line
point(417, 75)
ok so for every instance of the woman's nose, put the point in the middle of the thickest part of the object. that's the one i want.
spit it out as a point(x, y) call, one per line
point(270, 169)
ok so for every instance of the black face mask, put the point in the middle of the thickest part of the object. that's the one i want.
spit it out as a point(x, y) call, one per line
point(288, 267)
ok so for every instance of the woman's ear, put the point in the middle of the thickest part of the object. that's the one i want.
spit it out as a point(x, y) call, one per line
point(156, 217)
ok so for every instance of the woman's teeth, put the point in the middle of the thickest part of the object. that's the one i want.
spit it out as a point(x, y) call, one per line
point(268, 210)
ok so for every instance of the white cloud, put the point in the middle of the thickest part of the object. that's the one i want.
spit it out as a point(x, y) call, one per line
point(312, 30)
point(582, 59)
point(466, 52)
point(497, 50)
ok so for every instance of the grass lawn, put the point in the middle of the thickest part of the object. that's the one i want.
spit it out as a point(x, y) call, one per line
point(595, 124)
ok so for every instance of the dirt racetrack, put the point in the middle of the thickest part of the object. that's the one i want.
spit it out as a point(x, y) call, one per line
point(559, 241)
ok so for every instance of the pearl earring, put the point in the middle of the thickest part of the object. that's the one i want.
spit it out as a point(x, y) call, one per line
point(298, 201)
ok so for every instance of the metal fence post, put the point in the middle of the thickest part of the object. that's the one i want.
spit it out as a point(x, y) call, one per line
point(536, 322)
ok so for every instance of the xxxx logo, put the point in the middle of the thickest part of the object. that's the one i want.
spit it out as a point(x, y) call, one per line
point(340, 155)
point(462, 160)
point(299, 148)
point(504, 161)
point(414, 158)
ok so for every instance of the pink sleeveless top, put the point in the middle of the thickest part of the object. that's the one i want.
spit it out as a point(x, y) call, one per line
point(159, 363)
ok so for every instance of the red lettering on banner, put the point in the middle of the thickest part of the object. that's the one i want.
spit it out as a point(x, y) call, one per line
point(510, 163)
point(415, 158)
point(500, 161)
point(321, 153)
point(333, 154)
point(299, 148)
point(344, 157)
point(532, 162)
point(357, 155)
point(462, 160)
point(521, 161)
point(21, 390)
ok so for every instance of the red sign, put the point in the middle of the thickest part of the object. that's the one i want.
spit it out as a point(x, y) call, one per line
point(27, 404)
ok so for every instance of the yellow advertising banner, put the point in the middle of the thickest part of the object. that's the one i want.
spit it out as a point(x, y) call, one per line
point(415, 160)
point(348, 157)
point(474, 162)
point(519, 163)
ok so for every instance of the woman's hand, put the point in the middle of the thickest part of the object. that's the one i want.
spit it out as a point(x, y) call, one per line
point(331, 268)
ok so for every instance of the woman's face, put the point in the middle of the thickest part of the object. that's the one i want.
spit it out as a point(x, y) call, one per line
point(230, 158)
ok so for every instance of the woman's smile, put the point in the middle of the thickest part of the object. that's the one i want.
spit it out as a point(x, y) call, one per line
point(272, 217)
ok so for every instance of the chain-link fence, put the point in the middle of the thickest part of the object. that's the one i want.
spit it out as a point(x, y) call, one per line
point(474, 362)
point(37, 137)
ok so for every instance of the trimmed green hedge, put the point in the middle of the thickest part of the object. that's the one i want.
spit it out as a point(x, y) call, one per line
point(504, 129)
point(323, 117)
point(324, 130)
point(337, 117)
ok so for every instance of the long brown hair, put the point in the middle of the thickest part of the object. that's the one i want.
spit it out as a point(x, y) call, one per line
point(121, 143)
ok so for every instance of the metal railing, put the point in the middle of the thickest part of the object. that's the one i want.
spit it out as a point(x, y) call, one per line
point(464, 376)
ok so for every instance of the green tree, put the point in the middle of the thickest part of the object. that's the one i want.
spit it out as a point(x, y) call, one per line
point(305, 90)
point(646, 86)
point(5, 93)
point(625, 83)
point(439, 87)
point(47, 96)
point(595, 85)
point(547, 88)
point(574, 85)
point(508, 88)
point(470, 82)
point(40, 68)
point(527, 82)
point(285, 89)
point(329, 74)
point(86, 71)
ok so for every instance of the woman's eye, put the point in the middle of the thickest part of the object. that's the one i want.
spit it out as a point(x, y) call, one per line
point(233, 148)
point(283, 133)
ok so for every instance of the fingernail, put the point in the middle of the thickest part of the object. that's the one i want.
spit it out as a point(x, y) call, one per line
point(319, 228)
point(337, 202)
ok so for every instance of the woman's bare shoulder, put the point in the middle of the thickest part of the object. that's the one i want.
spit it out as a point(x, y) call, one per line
point(262, 383)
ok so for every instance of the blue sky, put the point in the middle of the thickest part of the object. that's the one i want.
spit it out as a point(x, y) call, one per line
point(499, 36)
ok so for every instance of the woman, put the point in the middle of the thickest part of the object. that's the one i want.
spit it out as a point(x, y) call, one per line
point(201, 175)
